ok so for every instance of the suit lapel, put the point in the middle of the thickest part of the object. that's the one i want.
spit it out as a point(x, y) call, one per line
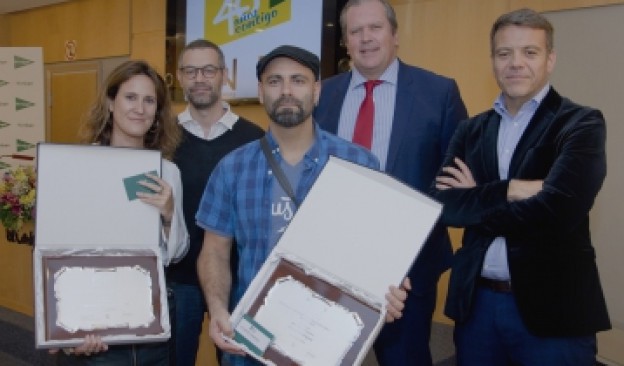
point(490, 151)
point(334, 104)
point(535, 130)
point(402, 111)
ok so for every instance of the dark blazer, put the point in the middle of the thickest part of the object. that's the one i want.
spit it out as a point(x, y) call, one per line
point(551, 258)
point(428, 109)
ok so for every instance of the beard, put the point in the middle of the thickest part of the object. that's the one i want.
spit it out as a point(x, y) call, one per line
point(292, 115)
point(204, 101)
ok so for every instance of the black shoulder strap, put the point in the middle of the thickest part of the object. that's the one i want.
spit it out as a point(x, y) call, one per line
point(277, 170)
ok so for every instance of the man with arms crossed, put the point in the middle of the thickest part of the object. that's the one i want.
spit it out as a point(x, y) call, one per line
point(210, 131)
point(415, 114)
point(522, 178)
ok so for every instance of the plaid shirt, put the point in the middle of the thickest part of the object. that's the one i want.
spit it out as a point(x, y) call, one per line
point(237, 200)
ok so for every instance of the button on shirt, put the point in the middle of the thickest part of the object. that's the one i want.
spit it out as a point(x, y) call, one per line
point(384, 96)
point(495, 265)
point(219, 128)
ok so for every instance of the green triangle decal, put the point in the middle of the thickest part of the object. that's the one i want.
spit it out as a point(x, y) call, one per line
point(3, 83)
point(23, 145)
point(21, 104)
point(4, 124)
point(273, 3)
point(21, 62)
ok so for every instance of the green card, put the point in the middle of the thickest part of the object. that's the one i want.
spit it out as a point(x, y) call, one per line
point(132, 185)
point(252, 335)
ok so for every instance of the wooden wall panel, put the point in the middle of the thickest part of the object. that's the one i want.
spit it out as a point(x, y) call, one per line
point(101, 28)
point(150, 46)
point(450, 37)
point(4, 31)
point(149, 15)
point(16, 275)
point(149, 20)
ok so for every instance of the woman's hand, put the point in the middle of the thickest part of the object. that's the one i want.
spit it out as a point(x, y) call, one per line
point(91, 345)
point(161, 196)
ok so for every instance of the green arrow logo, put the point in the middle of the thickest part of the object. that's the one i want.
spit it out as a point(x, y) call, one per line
point(21, 62)
point(273, 3)
point(4, 124)
point(23, 145)
point(21, 104)
point(3, 83)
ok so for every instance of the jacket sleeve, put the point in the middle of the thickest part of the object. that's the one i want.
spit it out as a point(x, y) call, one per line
point(176, 244)
point(571, 183)
point(468, 207)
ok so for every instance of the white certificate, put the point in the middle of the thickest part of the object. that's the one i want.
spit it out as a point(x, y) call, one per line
point(307, 327)
point(98, 298)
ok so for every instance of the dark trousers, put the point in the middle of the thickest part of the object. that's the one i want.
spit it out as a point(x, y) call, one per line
point(495, 335)
point(405, 342)
point(189, 314)
point(148, 354)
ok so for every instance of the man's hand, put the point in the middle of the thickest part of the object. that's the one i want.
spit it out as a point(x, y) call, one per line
point(457, 177)
point(220, 326)
point(523, 189)
point(396, 300)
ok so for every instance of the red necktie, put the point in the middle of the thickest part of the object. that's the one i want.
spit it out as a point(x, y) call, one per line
point(363, 133)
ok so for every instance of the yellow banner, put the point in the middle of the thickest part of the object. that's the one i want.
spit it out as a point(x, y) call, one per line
point(229, 20)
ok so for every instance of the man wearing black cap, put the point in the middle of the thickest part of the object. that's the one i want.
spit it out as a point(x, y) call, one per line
point(244, 201)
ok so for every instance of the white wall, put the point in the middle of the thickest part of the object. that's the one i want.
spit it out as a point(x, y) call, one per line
point(590, 56)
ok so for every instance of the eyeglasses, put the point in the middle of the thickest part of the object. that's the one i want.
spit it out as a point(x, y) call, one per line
point(209, 71)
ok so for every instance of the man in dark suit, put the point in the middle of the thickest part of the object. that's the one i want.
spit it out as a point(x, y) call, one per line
point(415, 115)
point(522, 178)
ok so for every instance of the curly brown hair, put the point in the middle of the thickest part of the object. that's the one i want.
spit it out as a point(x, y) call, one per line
point(164, 135)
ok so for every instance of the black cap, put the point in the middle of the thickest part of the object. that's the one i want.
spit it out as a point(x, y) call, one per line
point(304, 57)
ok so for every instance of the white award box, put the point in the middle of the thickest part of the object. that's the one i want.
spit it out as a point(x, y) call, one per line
point(96, 261)
point(319, 299)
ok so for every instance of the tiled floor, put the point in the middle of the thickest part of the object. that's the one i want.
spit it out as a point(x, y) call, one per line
point(17, 344)
point(442, 349)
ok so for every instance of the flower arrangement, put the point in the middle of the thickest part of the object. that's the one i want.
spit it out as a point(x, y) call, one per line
point(17, 197)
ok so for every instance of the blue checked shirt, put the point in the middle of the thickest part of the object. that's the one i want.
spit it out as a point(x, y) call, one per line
point(237, 200)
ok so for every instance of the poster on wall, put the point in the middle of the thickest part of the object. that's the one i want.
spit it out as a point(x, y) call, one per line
point(22, 105)
point(247, 29)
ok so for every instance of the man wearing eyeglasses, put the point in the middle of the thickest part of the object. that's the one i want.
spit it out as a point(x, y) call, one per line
point(210, 131)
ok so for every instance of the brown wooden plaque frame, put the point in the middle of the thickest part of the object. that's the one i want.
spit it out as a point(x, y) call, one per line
point(53, 263)
point(368, 314)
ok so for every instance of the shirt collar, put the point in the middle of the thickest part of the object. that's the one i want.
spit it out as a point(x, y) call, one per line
point(228, 119)
point(313, 155)
point(390, 75)
point(533, 103)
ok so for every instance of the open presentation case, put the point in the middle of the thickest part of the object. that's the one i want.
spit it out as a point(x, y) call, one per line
point(319, 299)
point(96, 261)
